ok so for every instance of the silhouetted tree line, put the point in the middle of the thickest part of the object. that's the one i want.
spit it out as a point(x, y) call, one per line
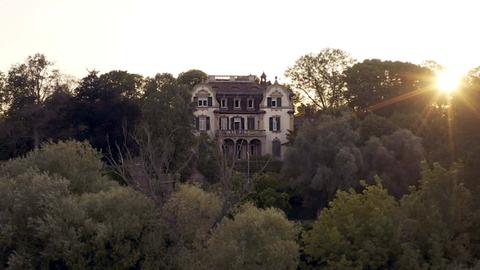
point(100, 173)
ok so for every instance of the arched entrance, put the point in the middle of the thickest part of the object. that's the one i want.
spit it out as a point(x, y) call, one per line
point(241, 148)
point(228, 147)
point(255, 148)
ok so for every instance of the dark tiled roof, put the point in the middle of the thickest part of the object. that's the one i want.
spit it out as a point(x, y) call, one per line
point(237, 87)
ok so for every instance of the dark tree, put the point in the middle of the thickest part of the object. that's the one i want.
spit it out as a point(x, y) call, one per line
point(386, 87)
point(191, 78)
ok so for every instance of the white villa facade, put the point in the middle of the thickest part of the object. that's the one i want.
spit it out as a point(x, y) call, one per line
point(246, 116)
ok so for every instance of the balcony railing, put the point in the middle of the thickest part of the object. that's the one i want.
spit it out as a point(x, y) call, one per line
point(241, 133)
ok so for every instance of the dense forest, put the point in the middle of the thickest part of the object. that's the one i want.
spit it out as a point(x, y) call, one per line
point(106, 172)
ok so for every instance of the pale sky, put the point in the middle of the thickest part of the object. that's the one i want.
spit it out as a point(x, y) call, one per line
point(234, 37)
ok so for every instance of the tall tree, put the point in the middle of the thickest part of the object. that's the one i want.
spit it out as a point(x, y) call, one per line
point(254, 239)
point(27, 87)
point(356, 231)
point(103, 109)
point(191, 77)
point(386, 87)
point(323, 159)
point(321, 76)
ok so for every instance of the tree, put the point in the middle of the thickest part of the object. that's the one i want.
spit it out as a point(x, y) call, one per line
point(162, 144)
point(3, 97)
point(270, 191)
point(357, 231)
point(321, 76)
point(437, 221)
point(77, 162)
point(114, 229)
point(323, 159)
point(386, 87)
point(104, 109)
point(24, 199)
point(28, 85)
point(253, 239)
point(168, 112)
point(191, 78)
point(395, 158)
point(187, 217)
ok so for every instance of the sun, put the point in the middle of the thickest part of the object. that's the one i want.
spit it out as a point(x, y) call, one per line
point(447, 81)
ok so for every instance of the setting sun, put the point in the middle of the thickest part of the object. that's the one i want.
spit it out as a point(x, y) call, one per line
point(448, 81)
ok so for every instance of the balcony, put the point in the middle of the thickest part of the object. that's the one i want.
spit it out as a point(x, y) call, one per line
point(240, 133)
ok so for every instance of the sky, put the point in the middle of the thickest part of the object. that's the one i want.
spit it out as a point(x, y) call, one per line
point(234, 37)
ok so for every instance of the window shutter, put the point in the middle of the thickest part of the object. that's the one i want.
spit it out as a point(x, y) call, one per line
point(220, 123)
point(196, 122)
point(208, 123)
point(210, 101)
point(270, 123)
point(279, 102)
point(243, 123)
point(278, 123)
point(231, 124)
point(269, 102)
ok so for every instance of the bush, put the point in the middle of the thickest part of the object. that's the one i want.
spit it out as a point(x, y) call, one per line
point(76, 161)
point(253, 239)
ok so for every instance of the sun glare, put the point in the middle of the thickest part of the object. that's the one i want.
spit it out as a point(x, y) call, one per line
point(448, 81)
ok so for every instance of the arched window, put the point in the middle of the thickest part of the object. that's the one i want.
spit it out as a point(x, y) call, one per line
point(276, 148)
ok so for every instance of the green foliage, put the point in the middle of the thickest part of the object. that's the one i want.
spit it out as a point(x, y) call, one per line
point(395, 158)
point(270, 191)
point(191, 77)
point(75, 161)
point(388, 87)
point(105, 108)
point(24, 200)
point(187, 218)
point(321, 77)
point(206, 159)
point(323, 159)
point(167, 121)
point(253, 239)
point(375, 126)
point(114, 229)
point(357, 231)
point(438, 220)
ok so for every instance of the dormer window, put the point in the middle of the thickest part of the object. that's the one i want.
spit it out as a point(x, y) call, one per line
point(236, 103)
point(250, 103)
point(223, 103)
point(274, 102)
point(204, 101)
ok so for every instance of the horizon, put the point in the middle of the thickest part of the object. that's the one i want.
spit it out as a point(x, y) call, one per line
point(147, 37)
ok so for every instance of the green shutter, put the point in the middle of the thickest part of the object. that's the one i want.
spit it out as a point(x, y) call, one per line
point(270, 121)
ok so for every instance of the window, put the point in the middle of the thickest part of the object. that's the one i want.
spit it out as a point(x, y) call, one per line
point(238, 123)
point(276, 148)
point(274, 102)
point(274, 123)
point(224, 123)
point(204, 101)
point(223, 103)
point(250, 103)
point(203, 123)
point(236, 103)
point(251, 123)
